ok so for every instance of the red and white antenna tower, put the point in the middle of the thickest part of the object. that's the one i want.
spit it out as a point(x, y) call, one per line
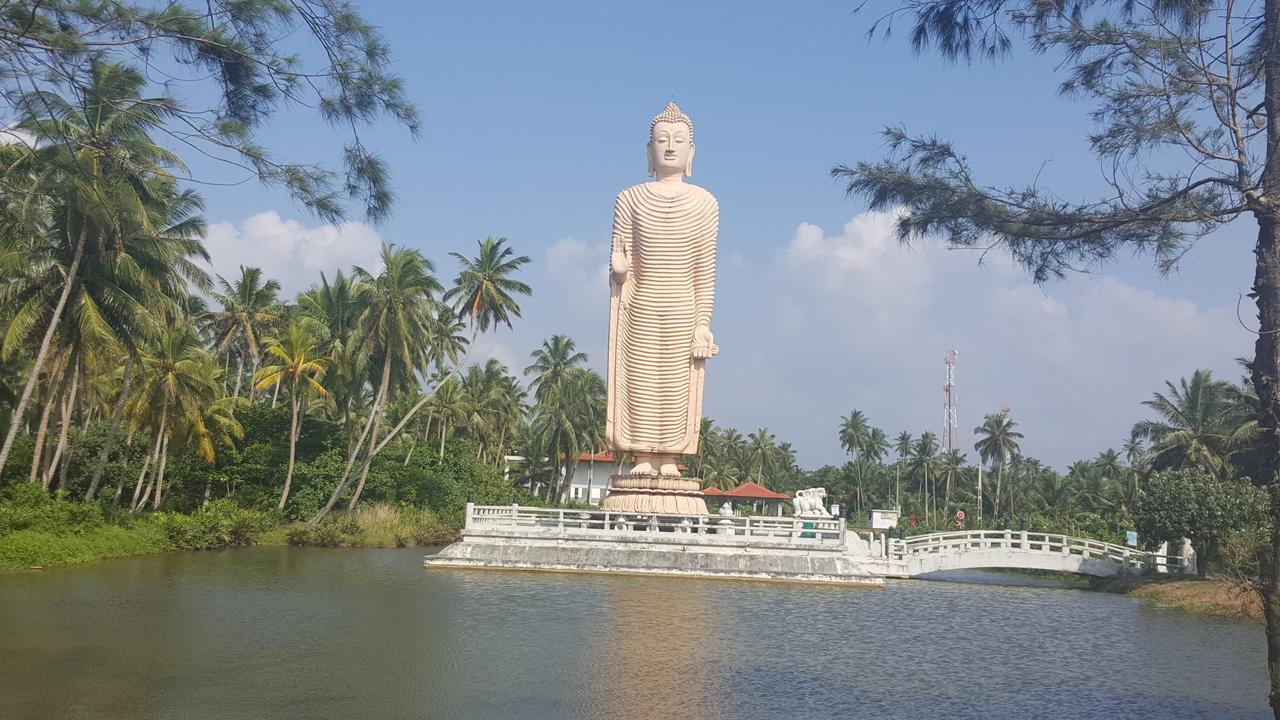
point(950, 423)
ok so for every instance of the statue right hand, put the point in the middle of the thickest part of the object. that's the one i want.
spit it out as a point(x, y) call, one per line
point(620, 265)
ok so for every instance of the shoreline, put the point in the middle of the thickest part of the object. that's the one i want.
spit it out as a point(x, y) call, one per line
point(1213, 597)
point(43, 550)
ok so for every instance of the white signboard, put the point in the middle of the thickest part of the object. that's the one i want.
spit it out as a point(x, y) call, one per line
point(884, 519)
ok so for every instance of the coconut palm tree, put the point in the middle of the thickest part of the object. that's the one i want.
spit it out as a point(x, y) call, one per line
point(179, 381)
point(924, 457)
point(855, 431)
point(568, 420)
point(1193, 425)
point(550, 362)
point(902, 446)
point(396, 327)
point(762, 452)
point(86, 186)
point(250, 309)
point(296, 364)
point(484, 288)
point(997, 443)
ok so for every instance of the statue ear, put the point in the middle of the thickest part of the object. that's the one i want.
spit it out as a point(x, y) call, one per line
point(688, 166)
point(648, 158)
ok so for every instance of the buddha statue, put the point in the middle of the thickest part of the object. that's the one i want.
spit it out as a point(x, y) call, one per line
point(662, 272)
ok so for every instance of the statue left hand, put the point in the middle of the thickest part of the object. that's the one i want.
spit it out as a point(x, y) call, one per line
point(704, 345)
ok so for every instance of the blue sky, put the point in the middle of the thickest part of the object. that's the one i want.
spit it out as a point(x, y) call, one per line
point(534, 118)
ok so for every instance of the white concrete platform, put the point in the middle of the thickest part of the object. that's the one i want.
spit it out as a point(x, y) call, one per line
point(788, 549)
point(782, 549)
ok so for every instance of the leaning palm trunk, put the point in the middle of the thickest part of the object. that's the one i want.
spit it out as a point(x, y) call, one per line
point(239, 374)
point(379, 404)
point(37, 451)
point(60, 456)
point(253, 372)
point(154, 459)
point(135, 501)
point(43, 353)
point(337, 492)
point(159, 484)
point(351, 461)
point(295, 425)
point(117, 413)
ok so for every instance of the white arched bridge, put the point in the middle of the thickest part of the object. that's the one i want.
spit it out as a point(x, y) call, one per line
point(1021, 550)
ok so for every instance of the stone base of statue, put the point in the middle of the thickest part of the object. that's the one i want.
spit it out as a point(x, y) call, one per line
point(654, 495)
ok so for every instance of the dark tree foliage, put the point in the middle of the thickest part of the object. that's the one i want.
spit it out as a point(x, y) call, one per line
point(241, 55)
point(1168, 80)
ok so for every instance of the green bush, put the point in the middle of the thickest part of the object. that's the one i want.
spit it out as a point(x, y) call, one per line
point(326, 535)
point(27, 506)
point(28, 548)
point(218, 524)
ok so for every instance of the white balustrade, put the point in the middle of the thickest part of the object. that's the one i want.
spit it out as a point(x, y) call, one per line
point(537, 521)
point(1029, 542)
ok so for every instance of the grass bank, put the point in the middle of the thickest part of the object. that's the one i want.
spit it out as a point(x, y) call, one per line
point(38, 531)
point(1220, 598)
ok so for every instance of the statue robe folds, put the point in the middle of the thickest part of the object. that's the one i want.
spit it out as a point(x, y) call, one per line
point(655, 384)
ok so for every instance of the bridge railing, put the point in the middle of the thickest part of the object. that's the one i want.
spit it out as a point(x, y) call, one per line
point(705, 529)
point(1046, 543)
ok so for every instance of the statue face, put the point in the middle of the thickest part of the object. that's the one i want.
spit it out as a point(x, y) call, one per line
point(670, 148)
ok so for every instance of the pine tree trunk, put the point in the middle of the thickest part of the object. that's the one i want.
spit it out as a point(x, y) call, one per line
point(43, 353)
point(294, 426)
point(62, 455)
point(42, 427)
point(117, 413)
point(1266, 362)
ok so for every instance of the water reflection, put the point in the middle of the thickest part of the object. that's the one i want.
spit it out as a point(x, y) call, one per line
point(286, 633)
point(658, 651)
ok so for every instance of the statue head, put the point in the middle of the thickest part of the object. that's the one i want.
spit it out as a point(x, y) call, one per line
point(670, 146)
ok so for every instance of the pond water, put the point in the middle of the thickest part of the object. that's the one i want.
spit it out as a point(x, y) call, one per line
point(277, 632)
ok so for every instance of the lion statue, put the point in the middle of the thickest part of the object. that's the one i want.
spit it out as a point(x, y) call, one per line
point(810, 503)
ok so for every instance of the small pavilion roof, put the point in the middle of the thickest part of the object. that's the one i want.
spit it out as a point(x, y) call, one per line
point(753, 491)
point(713, 492)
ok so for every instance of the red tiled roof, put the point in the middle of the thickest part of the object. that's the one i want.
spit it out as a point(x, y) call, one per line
point(753, 491)
point(713, 491)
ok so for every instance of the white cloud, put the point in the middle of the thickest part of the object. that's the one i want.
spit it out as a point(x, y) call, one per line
point(289, 251)
point(10, 136)
point(581, 266)
point(856, 320)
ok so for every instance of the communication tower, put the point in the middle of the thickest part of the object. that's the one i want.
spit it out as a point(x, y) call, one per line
point(950, 423)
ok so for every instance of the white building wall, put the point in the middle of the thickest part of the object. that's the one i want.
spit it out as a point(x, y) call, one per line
point(591, 480)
